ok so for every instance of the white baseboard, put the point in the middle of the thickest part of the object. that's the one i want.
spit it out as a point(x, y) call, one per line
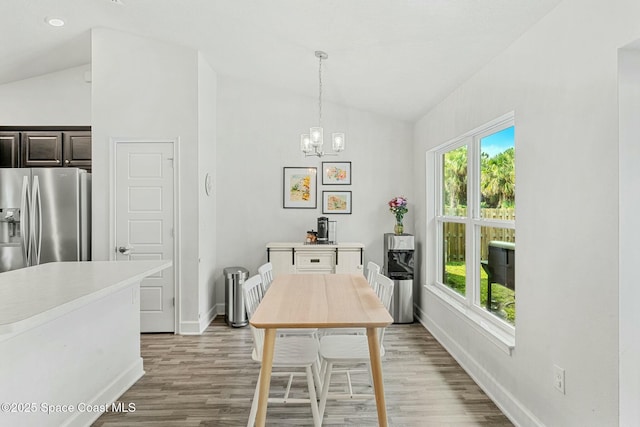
point(110, 394)
point(517, 413)
point(208, 318)
point(197, 328)
point(221, 309)
point(190, 328)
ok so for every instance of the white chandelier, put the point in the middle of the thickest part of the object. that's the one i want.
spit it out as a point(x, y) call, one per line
point(311, 143)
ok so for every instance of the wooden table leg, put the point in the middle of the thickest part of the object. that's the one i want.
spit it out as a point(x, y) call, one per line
point(265, 375)
point(376, 372)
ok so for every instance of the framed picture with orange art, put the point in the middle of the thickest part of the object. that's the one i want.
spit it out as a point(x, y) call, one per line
point(299, 188)
point(336, 173)
point(336, 202)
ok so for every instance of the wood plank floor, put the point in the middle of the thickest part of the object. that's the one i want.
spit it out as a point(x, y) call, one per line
point(209, 380)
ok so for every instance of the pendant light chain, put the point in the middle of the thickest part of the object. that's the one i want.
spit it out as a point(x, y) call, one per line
point(320, 93)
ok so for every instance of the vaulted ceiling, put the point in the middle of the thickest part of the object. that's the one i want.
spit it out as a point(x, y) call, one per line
point(394, 57)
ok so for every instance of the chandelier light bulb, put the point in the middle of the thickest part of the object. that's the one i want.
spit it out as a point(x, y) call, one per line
point(316, 136)
point(305, 143)
point(337, 142)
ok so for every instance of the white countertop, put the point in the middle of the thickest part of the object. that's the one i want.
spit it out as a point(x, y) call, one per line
point(300, 245)
point(31, 296)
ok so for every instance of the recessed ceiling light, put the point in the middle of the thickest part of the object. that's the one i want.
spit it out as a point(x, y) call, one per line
point(54, 22)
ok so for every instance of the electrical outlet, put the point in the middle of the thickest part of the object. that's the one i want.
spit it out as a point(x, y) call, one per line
point(558, 378)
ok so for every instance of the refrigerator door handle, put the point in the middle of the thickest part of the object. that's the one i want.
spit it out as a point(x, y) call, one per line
point(36, 225)
point(25, 221)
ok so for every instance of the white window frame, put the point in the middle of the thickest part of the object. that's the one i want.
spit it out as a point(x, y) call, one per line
point(467, 306)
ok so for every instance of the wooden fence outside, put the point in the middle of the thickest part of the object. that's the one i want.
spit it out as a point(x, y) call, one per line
point(454, 234)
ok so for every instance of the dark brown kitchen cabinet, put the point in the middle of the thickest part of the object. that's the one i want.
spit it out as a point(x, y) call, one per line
point(76, 147)
point(41, 148)
point(9, 149)
point(45, 146)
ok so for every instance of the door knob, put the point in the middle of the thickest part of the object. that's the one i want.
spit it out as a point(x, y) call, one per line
point(124, 250)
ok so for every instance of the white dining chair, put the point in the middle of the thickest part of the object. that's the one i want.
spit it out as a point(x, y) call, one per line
point(266, 274)
point(372, 270)
point(252, 294)
point(351, 350)
point(291, 353)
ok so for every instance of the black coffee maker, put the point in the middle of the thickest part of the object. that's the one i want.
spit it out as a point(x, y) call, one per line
point(323, 230)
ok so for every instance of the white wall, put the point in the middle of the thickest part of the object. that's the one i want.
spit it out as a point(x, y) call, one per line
point(259, 133)
point(207, 94)
point(629, 96)
point(62, 98)
point(141, 89)
point(560, 78)
point(145, 89)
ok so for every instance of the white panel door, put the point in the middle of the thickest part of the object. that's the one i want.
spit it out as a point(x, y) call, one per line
point(144, 224)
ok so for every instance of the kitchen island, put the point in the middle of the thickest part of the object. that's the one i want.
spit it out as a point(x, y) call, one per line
point(69, 340)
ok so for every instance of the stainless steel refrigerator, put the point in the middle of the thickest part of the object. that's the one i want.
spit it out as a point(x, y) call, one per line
point(44, 216)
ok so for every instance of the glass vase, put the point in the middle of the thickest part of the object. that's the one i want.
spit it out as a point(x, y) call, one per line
point(399, 228)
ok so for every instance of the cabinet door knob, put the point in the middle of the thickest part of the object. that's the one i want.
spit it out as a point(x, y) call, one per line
point(67, 161)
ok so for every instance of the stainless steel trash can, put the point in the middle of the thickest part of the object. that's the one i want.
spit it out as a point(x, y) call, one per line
point(235, 313)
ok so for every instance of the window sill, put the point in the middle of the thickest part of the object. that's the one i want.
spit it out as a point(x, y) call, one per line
point(501, 339)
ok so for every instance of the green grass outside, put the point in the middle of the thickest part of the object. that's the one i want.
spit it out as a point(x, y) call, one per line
point(504, 298)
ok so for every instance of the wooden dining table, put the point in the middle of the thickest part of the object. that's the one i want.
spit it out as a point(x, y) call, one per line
point(320, 301)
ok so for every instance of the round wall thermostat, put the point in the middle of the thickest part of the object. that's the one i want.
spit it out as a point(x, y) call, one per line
point(208, 184)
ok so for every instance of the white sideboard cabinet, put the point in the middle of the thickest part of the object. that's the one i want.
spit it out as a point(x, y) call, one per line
point(300, 258)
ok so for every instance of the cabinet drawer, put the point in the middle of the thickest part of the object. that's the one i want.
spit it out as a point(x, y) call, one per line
point(314, 271)
point(317, 261)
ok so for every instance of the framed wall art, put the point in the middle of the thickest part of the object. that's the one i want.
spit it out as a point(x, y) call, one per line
point(336, 173)
point(299, 188)
point(336, 202)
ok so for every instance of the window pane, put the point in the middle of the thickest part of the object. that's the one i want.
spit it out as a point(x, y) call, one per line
point(497, 272)
point(454, 273)
point(454, 182)
point(498, 175)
